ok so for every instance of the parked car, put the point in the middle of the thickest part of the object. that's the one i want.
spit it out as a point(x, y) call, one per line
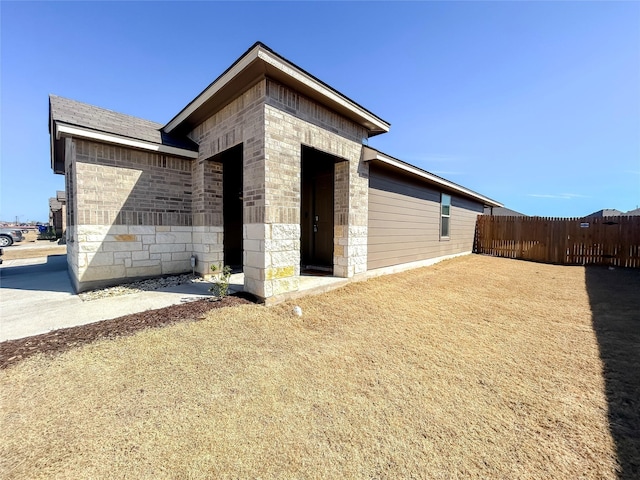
point(8, 236)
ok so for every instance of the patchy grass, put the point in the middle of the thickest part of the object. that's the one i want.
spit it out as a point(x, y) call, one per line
point(43, 249)
point(474, 368)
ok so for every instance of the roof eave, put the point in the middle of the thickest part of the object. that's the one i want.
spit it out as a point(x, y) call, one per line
point(371, 154)
point(52, 144)
point(61, 129)
point(261, 62)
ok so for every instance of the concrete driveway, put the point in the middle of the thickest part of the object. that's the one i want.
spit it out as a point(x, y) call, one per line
point(32, 291)
point(36, 297)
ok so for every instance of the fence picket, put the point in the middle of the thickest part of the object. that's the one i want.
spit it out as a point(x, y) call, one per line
point(613, 241)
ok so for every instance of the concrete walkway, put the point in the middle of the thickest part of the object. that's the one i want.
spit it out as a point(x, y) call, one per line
point(36, 297)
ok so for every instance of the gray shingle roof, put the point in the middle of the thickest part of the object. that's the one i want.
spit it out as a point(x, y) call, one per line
point(502, 212)
point(606, 212)
point(99, 119)
point(54, 204)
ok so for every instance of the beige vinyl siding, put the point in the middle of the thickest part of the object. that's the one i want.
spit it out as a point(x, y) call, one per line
point(404, 220)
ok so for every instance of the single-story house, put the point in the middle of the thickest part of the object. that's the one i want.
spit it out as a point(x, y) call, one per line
point(267, 170)
point(605, 212)
point(57, 213)
point(612, 212)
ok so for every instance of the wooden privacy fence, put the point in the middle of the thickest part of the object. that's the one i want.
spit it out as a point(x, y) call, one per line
point(564, 241)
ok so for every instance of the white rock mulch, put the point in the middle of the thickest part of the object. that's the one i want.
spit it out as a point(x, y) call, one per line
point(140, 286)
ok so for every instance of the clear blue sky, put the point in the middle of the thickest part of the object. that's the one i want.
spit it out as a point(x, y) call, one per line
point(536, 104)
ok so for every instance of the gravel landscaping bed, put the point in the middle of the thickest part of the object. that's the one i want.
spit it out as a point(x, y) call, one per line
point(140, 286)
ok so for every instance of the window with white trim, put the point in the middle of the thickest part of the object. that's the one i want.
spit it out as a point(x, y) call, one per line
point(445, 215)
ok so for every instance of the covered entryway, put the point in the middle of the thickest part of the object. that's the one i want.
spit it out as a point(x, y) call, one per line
point(232, 195)
point(317, 212)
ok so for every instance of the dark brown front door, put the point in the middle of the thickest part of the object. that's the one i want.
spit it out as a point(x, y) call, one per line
point(317, 212)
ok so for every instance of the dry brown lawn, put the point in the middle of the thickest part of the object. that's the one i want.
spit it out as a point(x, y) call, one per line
point(30, 247)
point(474, 368)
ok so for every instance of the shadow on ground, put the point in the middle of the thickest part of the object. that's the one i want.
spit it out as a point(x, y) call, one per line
point(615, 304)
point(51, 276)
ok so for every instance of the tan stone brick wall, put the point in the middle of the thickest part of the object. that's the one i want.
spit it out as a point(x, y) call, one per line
point(207, 193)
point(294, 103)
point(286, 133)
point(273, 122)
point(142, 214)
point(207, 247)
point(131, 213)
point(124, 186)
point(109, 254)
point(239, 122)
point(72, 206)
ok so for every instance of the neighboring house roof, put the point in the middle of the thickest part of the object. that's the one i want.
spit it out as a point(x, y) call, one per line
point(54, 204)
point(373, 155)
point(502, 212)
point(259, 62)
point(70, 117)
point(605, 212)
point(633, 212)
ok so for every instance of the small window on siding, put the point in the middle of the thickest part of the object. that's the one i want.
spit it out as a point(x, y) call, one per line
point(445, 215)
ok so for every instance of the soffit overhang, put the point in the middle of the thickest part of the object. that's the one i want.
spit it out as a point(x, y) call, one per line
point(261, 62)
point(65, 130)
point(373, 155)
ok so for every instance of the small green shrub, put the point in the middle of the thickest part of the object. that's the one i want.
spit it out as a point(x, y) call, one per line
point(49, 234)
point(220, 287)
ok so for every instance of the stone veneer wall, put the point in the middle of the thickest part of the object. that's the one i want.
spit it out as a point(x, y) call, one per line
point(291, 121)
point(273, 122)
point(138, 214)
point(207, 214)
point(239, 122)
point(72, 202)
point(131, 214)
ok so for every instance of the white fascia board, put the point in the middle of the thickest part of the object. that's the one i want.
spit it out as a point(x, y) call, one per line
point(213, 89)
point(370, 154)
point(310, 82)
point(62, 130)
